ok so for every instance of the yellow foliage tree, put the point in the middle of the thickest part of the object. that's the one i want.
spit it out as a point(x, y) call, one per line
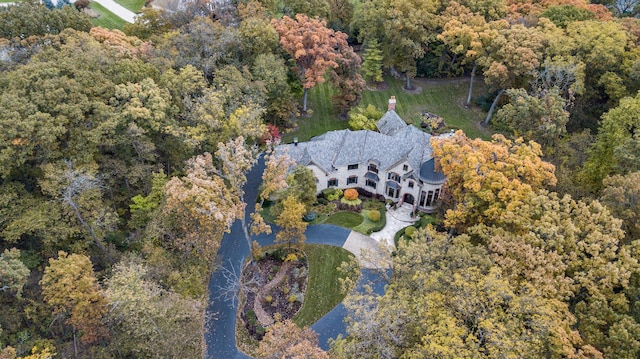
point(487, 179)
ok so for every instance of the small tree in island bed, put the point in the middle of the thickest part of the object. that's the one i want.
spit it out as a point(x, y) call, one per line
point(291, 223)
point(314, 48)
point(287, 340)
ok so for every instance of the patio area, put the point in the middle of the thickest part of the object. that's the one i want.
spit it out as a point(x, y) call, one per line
point(396, 219)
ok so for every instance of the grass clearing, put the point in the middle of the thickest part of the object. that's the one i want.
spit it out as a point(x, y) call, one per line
point(133, 5)
point(107, 19)
point(323, 288)
point(443, 97)
point(345, 219)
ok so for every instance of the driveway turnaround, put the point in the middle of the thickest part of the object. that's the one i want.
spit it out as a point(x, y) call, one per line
point(221, 313)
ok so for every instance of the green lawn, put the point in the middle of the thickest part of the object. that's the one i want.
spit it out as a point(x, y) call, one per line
point(323, 289)
point(133, 5)
point(107, 19)
point(367, 226)
point(443, 97)
point(345, 219)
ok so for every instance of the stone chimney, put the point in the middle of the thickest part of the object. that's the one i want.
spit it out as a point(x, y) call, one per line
point(392, 103)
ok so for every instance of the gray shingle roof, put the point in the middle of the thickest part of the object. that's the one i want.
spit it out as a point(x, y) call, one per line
point(336, 149)
point(390, 123)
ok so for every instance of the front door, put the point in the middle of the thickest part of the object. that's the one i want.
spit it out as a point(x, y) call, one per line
point(408, 198)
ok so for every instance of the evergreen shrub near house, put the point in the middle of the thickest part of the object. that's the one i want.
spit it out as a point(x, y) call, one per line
point(374, 215)
point(332, 194)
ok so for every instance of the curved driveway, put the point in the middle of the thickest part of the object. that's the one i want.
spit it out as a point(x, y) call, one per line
point(221, 314)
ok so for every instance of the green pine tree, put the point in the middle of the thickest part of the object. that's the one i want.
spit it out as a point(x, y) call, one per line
point(372, 64)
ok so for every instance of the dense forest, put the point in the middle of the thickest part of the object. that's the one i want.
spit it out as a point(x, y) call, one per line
point(115, 185)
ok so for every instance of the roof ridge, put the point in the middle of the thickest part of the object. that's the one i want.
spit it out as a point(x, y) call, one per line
point(344, 136)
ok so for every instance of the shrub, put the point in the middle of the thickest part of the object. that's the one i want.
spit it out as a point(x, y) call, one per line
point(292, 298)
point(81, 4)
point(353, 203)
point(409, 231)
point(310, 216)
point(374, 215)
point(286, 290)
point(332, 194)
point(268, 299)
point(350, 194)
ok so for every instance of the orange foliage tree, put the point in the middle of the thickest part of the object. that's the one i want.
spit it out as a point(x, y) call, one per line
point(70, 287)
point(314, 47)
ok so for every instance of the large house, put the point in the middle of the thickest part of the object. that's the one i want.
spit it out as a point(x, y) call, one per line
point(395, 162)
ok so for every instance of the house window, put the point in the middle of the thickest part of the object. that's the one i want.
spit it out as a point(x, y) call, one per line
point(352, 167)
point(393, 192)
point(371, 183)
point(410, 184)
point(332, 182)
point(393, 176)
point(423, 196)
point(373, 168)
point(429, 201)
point(352, 179)
point(405, 168)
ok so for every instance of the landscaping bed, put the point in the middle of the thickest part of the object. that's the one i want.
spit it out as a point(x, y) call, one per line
point(280, 279)
point(302, 289)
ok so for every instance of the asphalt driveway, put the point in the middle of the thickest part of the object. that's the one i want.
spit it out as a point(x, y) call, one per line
point(221, 313)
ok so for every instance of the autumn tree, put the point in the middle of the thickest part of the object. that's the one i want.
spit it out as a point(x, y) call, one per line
point(410, 30)
point(468, 34)
point(313, 47)
point(280, 100)
point(541, 119)
point(617, 146)
point(147, 319)
point(572, 251)
point(510, 60)
point(70, 287)
point(13, 273)
point(292, 227)
point(621, 194)
point(202, 206)
point(79, 190)
point(287, 340)
point(447, 299)
point(485, 179)
point(346, 78)
point(24, 19)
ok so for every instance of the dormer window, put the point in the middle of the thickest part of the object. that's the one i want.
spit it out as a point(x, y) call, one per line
point(352, 167)
point(372, 168)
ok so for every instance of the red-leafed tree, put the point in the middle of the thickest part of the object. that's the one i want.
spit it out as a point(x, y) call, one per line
point(346, 78)
point(314, 47)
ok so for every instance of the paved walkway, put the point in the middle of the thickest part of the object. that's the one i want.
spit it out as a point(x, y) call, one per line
point(119, 10)
point(368, 251)
point(396, 220)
